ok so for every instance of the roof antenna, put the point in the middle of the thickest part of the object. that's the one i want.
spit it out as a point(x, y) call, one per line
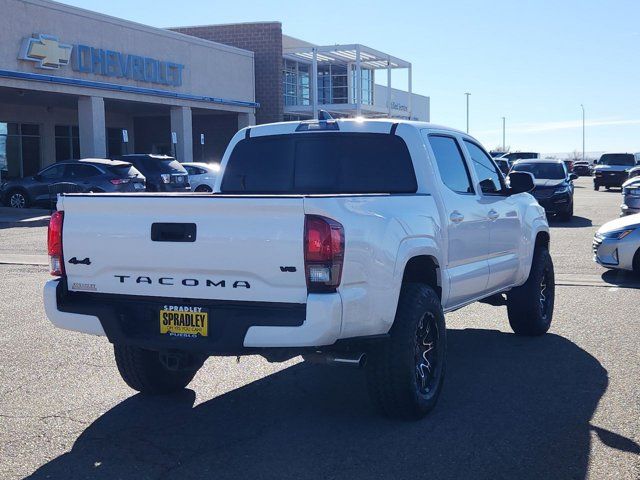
point(323, 115)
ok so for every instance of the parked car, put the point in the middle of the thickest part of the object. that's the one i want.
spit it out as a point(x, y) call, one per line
point(631, 197)
point(617, 244)
point(634, 172)
point(503, 164)
point(90, 175)
point(612, 170)
point(202, 176)
point(513, 156)
point(163, 173)
point(553, 185)
point(300, 259)
point(582, 168)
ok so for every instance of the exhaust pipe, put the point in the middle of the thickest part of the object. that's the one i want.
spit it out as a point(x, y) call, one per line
point(357, 360)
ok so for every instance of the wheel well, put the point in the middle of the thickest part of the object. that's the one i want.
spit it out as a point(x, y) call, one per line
point(423, 269)
point(542, 240)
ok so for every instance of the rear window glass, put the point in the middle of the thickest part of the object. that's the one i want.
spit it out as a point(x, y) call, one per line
point(320, 163)
point(124, 171)
point(158, 165)
point(625, 159)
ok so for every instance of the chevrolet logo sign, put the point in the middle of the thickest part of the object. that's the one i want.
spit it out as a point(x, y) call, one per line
point(46, 51)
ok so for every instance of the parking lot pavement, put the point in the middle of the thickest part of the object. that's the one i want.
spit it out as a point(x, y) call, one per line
point(565, 405)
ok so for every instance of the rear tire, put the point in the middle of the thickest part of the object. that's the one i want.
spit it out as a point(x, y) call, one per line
point(17, 198)
point(405, 373)
point(143, 371)
point(530, 306)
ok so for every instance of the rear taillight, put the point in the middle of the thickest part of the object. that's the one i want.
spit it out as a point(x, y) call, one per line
point(323, 253)
point(119, 181)
point(55, 244)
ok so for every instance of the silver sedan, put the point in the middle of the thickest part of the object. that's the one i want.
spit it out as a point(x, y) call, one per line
point(617, 244)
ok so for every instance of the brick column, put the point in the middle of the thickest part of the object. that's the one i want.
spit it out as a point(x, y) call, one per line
point(181, 124)
point(93, 143)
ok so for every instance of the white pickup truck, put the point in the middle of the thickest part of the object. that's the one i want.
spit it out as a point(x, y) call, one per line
point(344, 241)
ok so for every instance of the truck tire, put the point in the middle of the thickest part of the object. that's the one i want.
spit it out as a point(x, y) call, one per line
point(566, 216)
point(530, 306)
point(596, 187)
point(143, 371)
point(405, 372)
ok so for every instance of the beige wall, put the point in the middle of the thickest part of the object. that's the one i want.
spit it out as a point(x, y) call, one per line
point(210, 69)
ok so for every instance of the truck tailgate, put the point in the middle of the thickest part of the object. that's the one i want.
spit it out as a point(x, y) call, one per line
point(245, 248)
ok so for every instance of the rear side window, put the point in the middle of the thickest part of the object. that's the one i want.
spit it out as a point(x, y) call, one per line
point(451, 165)
point(158, 165)
point(330, 163)
point(124, 171)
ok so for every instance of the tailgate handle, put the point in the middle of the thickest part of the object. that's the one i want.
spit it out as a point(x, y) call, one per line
point(173, 232)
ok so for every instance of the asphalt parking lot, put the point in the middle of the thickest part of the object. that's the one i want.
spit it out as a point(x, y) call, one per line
point(562, 406)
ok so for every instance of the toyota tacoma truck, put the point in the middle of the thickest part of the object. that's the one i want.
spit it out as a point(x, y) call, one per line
point(344, 241)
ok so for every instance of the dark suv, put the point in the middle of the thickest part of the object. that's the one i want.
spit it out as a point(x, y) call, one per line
point(612, 170)
point(163, 173)
point(553, 185)
point(87, 175)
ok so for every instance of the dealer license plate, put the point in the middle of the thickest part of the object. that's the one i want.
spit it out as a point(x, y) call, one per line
point(184, 321)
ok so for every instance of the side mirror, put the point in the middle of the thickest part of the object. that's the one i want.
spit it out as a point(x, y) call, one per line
point(573, 176)
point(37, 177)
point(520, 182)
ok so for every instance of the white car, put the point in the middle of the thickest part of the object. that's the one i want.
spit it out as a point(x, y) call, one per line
point(616, 244)
point(344, 241)
point(202, 176)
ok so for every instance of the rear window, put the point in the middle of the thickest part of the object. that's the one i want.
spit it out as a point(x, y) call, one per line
point(625, 159)
point(124, 171)
point(158, 165)
point(329, 163)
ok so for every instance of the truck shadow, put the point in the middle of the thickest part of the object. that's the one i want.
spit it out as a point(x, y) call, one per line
point(512, 407)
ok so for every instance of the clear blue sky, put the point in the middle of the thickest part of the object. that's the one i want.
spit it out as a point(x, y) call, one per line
point(533, 62)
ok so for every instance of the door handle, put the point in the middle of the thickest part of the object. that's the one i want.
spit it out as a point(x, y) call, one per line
point(456, 217)
point(493, 215)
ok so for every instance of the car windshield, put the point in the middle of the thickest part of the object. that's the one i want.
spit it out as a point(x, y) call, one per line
point(124, 171)
point(552, 171)
point(159, 165)
point(624, 159)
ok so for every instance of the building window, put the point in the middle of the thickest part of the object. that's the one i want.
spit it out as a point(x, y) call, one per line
point(20, 152)
point(114, 142)
point(67, 143)
point(296, 83)
point(367, 86)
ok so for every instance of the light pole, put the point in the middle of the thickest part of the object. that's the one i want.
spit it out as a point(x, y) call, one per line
point(467, 94)
point(503, 134)
point(582, 106)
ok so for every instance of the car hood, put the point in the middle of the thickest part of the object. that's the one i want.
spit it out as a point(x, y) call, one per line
point(612, 168)
point(547, 182)
point(621, 223)
point(634, 181)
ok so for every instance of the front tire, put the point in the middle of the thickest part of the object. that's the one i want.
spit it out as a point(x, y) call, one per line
point(405, 373)
point(566, 216)
point(143, 371)
point(596, 187)
point(530, 306)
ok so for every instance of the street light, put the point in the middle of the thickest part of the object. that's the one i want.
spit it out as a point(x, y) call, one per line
point(582, 106)
point(467, 94)
point(503, 134)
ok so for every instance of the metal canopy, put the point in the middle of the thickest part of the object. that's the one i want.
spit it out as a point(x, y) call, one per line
point(345, 54)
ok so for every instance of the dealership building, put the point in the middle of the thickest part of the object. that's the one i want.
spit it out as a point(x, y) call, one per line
point(78, 84)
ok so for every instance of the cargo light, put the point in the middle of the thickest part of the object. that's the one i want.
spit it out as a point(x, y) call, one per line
point(323, 253)
point(54, 237)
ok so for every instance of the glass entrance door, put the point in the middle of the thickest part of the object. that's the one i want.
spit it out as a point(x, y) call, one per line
point(20, 150)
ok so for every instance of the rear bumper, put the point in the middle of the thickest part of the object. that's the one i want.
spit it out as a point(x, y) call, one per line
point(235, 328)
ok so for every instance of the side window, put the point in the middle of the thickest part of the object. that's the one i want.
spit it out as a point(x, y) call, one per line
point(488, 174)
point(52, 173)
point(451, 165)
point(190, 170)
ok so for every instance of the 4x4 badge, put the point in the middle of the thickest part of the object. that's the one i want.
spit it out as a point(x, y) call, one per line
point(75, 261)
